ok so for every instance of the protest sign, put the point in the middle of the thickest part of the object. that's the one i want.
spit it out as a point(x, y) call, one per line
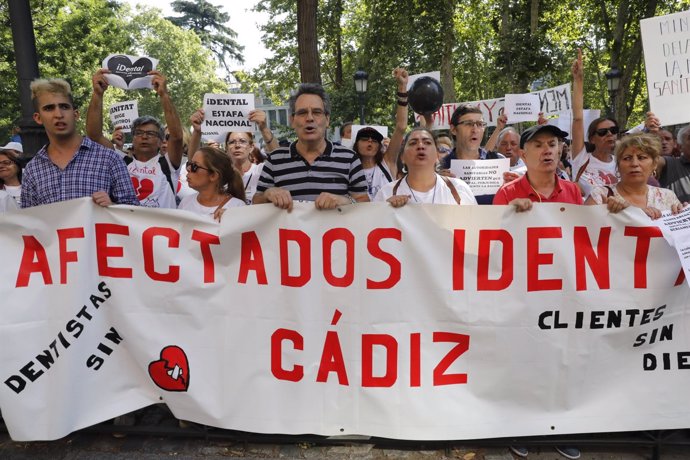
point(224, 113)
point(564, 121)
point(129, 72)
point(666, 44)
point(365, 320)
point(484, 177)
point(123, 114)
point(676, 230)
point(522, 107)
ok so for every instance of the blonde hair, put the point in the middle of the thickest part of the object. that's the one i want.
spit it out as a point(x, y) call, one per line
point(647, 143)
point(53, 86)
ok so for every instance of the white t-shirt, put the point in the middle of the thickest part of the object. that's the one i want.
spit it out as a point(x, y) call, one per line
point(250, 179)
point(6, 202)
point(183, 188)
point(15, 191)
point(151, 185)
point(190, 203)
point(597, 172)
point(376, 179)
point(439, 194)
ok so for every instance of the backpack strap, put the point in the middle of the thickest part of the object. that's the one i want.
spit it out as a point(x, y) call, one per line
point(397, 184)
point(165, 167)
point(452, 188)
point(581, 171)
point(385, 172)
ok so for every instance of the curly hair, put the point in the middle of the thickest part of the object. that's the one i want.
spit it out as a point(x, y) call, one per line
point(647, 143)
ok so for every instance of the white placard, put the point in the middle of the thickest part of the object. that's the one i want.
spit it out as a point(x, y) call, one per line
point(484, 177)
point(522, 107)
point(676, 230)
point(224, 113)
point(123, 114)
point(564, 121)
point(666, 44)
point(129, 72)
point(412, 78)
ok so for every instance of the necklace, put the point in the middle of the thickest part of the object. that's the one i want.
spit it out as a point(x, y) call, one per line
point(433, 198)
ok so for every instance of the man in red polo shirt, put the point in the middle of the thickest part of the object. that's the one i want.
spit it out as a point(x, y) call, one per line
point(540, 183)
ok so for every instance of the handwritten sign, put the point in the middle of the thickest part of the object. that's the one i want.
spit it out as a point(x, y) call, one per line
point(522, 107)
point(129, 72)
point(666, 44)
point(226, 113)
point(123, 114)
point(484, 177)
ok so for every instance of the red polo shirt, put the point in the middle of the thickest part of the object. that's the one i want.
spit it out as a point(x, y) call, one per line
point(564, 192)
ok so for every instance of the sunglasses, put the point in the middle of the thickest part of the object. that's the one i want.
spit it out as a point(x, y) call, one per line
point(193, 167)
point(603, 131)
point(368, 139)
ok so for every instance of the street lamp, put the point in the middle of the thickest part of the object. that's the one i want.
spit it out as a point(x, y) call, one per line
point(361, 78)
point(613, 81)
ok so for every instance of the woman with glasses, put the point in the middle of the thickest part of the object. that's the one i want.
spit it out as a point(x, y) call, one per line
point(10, 180)
point(218, 185)
point(592, 164)
point(239, 146)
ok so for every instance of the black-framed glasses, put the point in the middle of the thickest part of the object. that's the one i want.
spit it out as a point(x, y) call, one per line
point(142, 133)
point(470, 123)
point(193, 167)
point(603, 131)
point(242, 142)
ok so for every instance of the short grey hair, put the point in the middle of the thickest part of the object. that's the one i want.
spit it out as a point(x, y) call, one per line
point(310, 88)
point(682, 133)
point(149, 120)
point(505, 131)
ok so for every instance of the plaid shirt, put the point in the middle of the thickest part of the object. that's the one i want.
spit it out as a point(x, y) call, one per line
point(93, 168)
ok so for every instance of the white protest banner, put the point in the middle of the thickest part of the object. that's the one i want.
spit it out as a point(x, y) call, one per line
point(676, 230)
point(129, 72)
point(381, 129)
point(551, 102)
point(564, 121)
point(365, 320)
point(224, 113)
point(522, 107)
point(666, 44)
point(436, 75)
point(123, 114)
point(484, 177)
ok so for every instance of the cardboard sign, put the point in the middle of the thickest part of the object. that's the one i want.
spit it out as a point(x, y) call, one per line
point(484, 177)
point(224, 113)
point(666, 44)
point(123, 114)
point(522, 107)
point(129, 72)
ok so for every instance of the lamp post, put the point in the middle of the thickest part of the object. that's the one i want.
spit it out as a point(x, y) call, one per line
point(613, 81)
point(361, 78)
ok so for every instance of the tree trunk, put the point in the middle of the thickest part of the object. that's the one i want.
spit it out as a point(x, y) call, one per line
point(447, 78)
point(534, 17)
point(307, 46)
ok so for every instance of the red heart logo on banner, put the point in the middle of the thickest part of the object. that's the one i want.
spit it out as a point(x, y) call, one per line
point(171, 372)
point(143, 188)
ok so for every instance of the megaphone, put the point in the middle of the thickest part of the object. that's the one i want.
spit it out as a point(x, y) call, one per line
point(425, 95)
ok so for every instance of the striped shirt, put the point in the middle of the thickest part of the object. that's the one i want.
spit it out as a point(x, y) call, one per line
point(337, 170)
point(93, 168)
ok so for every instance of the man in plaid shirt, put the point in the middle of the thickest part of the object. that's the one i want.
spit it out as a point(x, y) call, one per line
point(70, 166)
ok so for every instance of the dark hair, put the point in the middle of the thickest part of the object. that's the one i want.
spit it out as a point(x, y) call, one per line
point(14, 159)
point(230, 182)
point(149, 120)
point(463, 109)
point(401, 166)
point(310, 88)
point(343, 127)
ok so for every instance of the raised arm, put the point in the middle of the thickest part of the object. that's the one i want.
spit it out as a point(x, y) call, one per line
point(94, 114)
point(196, 119)
point(172, 119)
point(401, 112)
point(578, 131)
point(501, 122)
point(259, 117)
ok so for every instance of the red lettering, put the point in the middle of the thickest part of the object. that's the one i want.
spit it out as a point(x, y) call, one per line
point(484, 256)
point(644, 235)
point(332, 360)
point(598, 261)
point(105, 252)
point(463, 344)
point(535, 259)
point(330, 237)
point(67, 256)
point(304, 244)
point(34, 260)
point(458, 260)
point(390, 345)
point(415, 359)
point(252, 258)
point(375, 250)
point(681, 278)
point(205, 241)
point(297, 372)
point(173, 273)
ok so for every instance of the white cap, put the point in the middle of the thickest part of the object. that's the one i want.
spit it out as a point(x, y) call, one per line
point(13, 146)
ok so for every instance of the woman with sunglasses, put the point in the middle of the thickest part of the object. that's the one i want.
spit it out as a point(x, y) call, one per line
point(10, 177)
point(217, 183)
point(592, 165)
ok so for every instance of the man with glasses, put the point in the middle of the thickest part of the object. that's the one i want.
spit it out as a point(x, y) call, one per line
point(153, 175)
point(70, 166)
point(311, 168)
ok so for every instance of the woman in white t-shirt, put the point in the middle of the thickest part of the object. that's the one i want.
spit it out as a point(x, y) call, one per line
point(218, 185)
point(421, 184)
point(11, 175)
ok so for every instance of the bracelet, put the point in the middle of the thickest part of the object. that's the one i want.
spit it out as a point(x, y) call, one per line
point(402, 103)
point(268, 142)
point(399, 94)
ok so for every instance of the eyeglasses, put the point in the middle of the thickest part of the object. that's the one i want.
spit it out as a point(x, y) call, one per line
point(316, 113)
point(603, 131)
point(471, 124)
point(7, 163)
point(369, 139)
point(141, 133)
point(238, 142)
point(193, 167)
point(167, 137)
